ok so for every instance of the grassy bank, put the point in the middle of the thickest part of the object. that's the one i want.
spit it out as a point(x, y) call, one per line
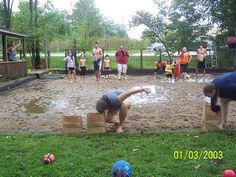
point(134, 62)
point(151, 154)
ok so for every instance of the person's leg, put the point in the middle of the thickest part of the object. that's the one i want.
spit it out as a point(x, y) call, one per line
point(119, 68)
point(125, 70)
point(123, 114)
point(74, 75)
point(69, 75)
point(224, 111)
point(110, 117)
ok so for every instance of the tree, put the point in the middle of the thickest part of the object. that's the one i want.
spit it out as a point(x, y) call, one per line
point(189, 22)
point(224, 14)
point(87, 22)
point(7, 12)
point(155, 23)
point(41, 24)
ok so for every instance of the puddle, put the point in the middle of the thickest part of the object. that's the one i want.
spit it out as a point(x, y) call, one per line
point(58, 104)
point(157, 95)
point(35, 106)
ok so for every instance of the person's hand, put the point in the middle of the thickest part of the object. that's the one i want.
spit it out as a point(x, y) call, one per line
point(147, 90)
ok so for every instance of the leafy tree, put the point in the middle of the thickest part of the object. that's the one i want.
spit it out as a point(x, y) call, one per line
point(224, 14)
point(189, 22)
point(41, 24)
point(155, 23)
point(87, 22)
point(7, 12)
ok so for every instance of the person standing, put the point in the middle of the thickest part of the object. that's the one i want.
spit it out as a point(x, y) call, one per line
point(185, 59)
point(107, 67)
point(12, 51)
point(122, 57)
point(97, 56)
point(82, 67)
point(70, 67)
point(201, 63)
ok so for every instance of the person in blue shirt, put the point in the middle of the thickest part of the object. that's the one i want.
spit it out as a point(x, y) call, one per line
point(114, 101)
point(223, 87)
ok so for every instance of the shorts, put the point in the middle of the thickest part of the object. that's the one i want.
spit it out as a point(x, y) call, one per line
point(107, 70)
point(71, 68)
point(96, 64)
point(201, 64)
point(169, 75)
point(122, 68)
point(82, 70)
point(184, 68)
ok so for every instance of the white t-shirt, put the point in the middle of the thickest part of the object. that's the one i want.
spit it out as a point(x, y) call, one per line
point(70, 61)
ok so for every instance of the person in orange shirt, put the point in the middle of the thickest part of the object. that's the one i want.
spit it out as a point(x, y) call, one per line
point(185, 59)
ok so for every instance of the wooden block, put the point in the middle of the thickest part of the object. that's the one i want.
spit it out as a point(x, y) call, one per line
point(72, 124)
point(211, 120)
point(95, 123)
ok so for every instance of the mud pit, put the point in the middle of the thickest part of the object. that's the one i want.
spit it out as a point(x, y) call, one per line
point(40, 105)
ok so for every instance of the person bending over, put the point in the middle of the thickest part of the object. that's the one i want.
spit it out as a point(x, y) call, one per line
point(223, 87)
point(115, 101)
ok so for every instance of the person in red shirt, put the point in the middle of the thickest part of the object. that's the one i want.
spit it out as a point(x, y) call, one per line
point(122, 57)
point(185, 59)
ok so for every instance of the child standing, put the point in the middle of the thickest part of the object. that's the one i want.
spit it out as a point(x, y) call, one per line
point(177, 72)
point(82, 67)
point(159, 65)
point(70, 67)
point(168, 71)
point(107, 66)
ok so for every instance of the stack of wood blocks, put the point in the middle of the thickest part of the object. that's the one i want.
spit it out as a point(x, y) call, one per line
point(72, 124)
point(95, 123)
point(211, 120)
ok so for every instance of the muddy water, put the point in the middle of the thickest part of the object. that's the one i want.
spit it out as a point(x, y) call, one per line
point(40, 105)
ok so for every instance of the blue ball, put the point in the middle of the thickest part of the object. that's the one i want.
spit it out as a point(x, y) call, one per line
point(121, 168)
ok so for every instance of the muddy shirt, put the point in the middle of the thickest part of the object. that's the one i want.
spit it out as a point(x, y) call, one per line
point(111, 98)
point(226, 84)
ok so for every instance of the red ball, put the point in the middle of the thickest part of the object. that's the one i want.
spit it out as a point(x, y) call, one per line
point(229, 173)
point(48, 158)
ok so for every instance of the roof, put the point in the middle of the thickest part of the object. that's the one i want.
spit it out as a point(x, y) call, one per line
point(10, 33)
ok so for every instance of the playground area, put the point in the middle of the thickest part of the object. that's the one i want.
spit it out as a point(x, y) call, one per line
point(40, 105)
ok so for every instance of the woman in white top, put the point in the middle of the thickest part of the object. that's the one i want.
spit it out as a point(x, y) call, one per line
point(71, 66)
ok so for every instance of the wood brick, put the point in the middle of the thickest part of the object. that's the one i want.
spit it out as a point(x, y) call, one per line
point(95, 123)
point(72, 124)
point(211, 120)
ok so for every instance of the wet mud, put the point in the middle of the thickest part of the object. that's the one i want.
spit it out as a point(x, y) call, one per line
point(40, 105)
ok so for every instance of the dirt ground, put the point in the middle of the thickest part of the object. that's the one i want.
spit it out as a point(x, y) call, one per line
point(40, 105)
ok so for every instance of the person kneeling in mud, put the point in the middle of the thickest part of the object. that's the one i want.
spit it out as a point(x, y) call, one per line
point(115, 101)
point(223, 87)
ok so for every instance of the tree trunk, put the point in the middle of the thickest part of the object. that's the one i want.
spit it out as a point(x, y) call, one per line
point(33, 55)
point(168, 53)
point(37, 59)
point(7, 12)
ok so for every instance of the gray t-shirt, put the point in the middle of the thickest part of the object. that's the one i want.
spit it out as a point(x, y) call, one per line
point(111, 98)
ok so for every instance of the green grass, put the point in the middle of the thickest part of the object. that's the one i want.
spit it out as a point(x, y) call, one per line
point(150, 154)
point(134, 62)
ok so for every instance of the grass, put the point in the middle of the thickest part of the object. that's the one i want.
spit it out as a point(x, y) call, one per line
point(134, 62)
point(151, 154)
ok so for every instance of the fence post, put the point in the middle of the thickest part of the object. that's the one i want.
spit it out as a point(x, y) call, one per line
point(49, 59)
point(141, 58)
point(160, 54)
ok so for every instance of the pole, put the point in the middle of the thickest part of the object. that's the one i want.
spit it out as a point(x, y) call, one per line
point(160, 54)
point(141, 58)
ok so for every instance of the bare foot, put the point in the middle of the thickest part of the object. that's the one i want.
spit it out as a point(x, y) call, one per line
point(119, 130)
point(113, 120)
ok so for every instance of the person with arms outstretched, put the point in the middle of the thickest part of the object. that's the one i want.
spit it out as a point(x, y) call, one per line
point(115, 101)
